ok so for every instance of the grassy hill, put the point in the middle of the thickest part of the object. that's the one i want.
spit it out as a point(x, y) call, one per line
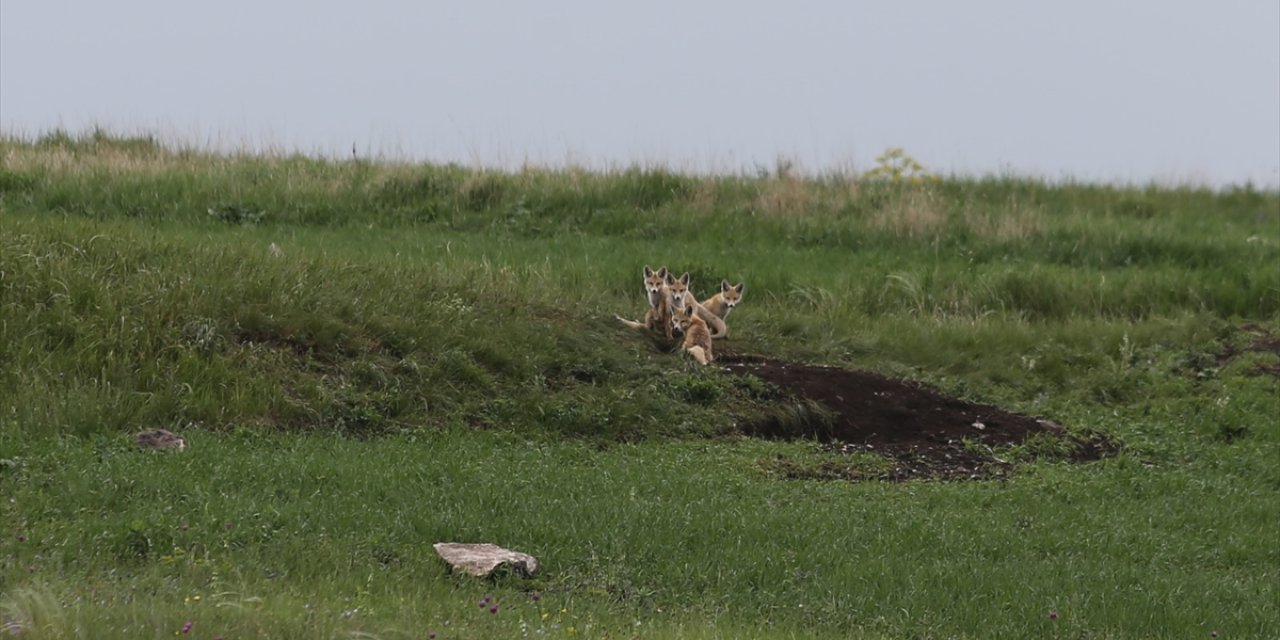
point(434, 356)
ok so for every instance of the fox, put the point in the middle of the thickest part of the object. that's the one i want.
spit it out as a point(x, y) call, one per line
point(682, 297)
point(697, 338)
point(657, 286)
point(654, 281)
point(679, 290)
point(719, 306)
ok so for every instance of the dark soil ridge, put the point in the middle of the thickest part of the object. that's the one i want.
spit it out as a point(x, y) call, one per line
point(920, 431)
point(1262, 342)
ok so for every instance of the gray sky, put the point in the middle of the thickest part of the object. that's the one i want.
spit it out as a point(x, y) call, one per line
point(1114, 90)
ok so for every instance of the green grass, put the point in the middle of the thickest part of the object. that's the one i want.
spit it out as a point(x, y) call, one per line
point(435, 358)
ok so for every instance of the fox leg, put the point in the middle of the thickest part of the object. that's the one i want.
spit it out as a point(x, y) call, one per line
point(667, 322)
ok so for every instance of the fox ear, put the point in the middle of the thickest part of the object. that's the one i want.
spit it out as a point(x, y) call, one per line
point(647, 271)
point(740, 288)
point(662, 271)
point(666, 277)
point(685, 278)
point(724, 286)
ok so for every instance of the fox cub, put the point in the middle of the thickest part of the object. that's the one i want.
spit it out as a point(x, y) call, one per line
point(697, 338)
point(655, 283)
point(662, 304)
point(679, 288)
point(719, 306)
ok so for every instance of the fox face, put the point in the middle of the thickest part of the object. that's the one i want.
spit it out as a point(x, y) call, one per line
point(681, 319)
point(654, 280)
point(731, 295)
point(679, 289)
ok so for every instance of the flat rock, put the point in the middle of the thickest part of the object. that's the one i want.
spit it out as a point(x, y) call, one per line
point(160, 439)
point(481, 559)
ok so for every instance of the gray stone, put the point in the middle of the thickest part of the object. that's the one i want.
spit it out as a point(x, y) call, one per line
point(160, 439)
point(481, 559)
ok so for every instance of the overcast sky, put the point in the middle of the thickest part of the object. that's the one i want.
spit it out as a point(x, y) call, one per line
point(1134, 90)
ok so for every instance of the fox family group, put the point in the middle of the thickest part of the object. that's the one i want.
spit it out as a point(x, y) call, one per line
point(675, 311)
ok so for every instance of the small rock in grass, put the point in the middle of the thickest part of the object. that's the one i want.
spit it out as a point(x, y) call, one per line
point(482, 559)
point(160, 439)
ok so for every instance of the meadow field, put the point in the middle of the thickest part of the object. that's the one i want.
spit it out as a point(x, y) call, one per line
point(432, 355)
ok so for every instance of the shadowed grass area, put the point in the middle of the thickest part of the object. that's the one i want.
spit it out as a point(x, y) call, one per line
point(432, 356)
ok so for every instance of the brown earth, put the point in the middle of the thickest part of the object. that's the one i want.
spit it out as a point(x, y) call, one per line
point(918, 430)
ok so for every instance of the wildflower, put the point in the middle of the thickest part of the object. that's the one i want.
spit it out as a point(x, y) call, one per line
point(535, 596)
point(546, 615)
point(22, 538)
point(186, 626)
point(195, 598)
point(1213, 634)
point(493, 609)
point(431, 636)
point(228, 525)
point(1053, 615)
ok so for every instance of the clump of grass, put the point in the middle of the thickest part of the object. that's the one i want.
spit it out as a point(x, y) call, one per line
point(915, 213)
point(1016, 223)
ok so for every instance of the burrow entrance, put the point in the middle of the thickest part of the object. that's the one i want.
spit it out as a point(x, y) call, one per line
point(921, 432)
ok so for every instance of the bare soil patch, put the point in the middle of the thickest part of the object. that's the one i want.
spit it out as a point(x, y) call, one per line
point(922, 432)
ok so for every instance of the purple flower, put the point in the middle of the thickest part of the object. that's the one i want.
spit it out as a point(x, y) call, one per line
point(228, 525)
point(22, 538)
point(493, 609)
point(535, 596)
point(431, 636)
point(1213, 634)
point(186, 626)
point(1053, 615)
point(482, 604)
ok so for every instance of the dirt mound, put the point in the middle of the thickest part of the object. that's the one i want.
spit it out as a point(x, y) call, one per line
point(920, 431)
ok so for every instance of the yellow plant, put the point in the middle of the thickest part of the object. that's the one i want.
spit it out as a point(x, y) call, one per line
point(896, 166)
